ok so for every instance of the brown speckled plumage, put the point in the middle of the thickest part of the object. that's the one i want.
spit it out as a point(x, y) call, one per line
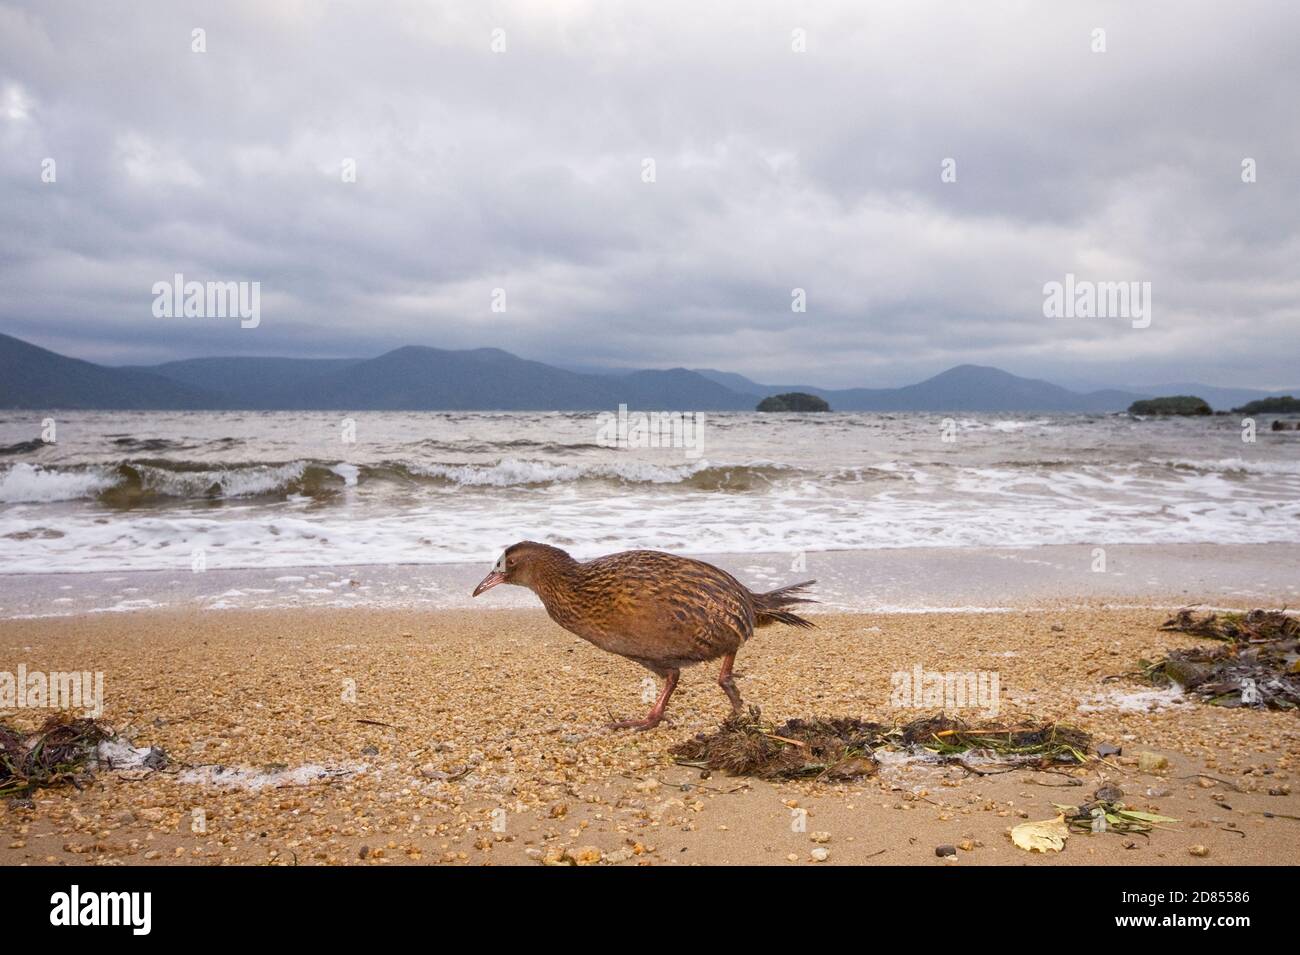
point(663, 611)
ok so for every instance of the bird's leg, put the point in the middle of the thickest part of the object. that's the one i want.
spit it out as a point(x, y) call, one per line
point(728, 683)
point(656, 714)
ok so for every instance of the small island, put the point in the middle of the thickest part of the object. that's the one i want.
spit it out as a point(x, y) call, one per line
point(1174, 404)
point(1284, 404)
point(793, 401)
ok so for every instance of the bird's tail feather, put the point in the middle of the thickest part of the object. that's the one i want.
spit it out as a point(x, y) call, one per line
point(770, 608)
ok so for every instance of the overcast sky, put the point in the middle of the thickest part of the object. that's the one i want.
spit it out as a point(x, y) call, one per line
point(774, 170)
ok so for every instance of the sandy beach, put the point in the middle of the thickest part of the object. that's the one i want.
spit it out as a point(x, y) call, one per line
point(364, 737)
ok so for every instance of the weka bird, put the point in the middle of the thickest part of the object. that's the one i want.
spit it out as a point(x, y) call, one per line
point(662, 611)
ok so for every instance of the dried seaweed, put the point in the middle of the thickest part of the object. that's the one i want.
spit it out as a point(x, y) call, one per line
point(1257, 664)
point(1257, 626)
point(61, 752)
point(844, 747)
point(746, 746)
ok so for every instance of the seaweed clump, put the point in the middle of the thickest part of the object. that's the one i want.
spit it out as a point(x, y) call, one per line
point(745, 745)
point(840, 748)
point(1257, 665)
point(1257, 626)
point(62, 751)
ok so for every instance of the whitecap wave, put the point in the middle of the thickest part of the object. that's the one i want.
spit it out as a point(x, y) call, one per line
point(30, 483)
point(1234, 466)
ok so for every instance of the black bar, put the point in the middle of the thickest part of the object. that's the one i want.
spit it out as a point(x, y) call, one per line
point(245, 905)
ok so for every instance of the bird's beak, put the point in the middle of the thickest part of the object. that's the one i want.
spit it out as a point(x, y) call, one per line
point(488, 582)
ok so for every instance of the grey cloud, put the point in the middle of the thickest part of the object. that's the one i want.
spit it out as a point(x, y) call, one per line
point(775, 170)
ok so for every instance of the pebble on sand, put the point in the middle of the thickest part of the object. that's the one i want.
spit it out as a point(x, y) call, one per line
point(1152, 762)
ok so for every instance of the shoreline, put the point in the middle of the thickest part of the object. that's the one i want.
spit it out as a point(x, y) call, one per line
point(931, 580)
point(367, 736)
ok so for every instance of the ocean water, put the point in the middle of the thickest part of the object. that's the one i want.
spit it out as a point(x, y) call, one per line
point(151, 491)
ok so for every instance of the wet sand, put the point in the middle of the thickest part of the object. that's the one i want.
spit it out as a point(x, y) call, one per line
point(476, 737)
point(851, 581)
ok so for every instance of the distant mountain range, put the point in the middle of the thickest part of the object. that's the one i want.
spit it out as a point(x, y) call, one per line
point(416, 378)
point(963, 388)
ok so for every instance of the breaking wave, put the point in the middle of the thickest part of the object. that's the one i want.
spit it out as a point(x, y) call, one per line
point(142, 481)
point(136, 482)
point(30, 483)
point(1235, 466)
point(132, 483)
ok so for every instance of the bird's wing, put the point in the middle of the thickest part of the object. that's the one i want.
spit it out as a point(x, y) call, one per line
point(659, 605)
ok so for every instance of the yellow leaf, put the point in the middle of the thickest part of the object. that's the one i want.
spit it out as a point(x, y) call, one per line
point(1046, 836)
